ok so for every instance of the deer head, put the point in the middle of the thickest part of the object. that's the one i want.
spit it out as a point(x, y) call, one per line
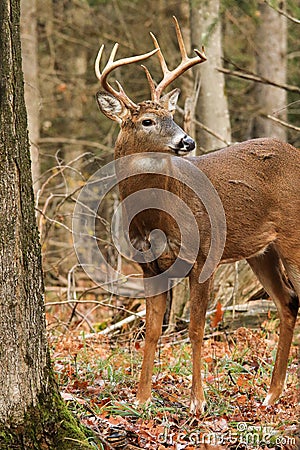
point(149, 125)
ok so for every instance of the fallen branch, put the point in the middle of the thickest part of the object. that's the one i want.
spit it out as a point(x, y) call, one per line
point(259, 305)
point(117, 325)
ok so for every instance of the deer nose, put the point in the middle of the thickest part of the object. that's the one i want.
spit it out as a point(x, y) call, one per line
point(187, 144)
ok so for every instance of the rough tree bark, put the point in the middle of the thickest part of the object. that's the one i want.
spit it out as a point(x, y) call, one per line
point(32, 414)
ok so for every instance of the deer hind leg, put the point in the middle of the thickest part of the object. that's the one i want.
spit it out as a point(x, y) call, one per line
point(155, 309)
point(199, 295)
point(293, 270)
point(269, 270)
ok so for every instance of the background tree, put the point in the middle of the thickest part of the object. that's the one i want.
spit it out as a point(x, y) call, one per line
point(29, 39)
point(212, 107)
point(32, 414)
point(271, 62)
point(248, 59)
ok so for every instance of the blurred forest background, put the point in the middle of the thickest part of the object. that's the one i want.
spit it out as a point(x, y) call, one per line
point(249, 87)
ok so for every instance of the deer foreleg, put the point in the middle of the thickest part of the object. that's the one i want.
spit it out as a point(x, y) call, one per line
point(155, 309)
point(199, 300)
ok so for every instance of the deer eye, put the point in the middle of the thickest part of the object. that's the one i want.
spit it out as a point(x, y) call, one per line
point(148, 122)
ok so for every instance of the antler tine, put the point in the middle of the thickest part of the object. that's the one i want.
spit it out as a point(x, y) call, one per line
point(163, 66)
point(150, 81)
point(97, 62)
point(161, 58)
point(112, 65)
point(169, 76)
point(182, 48)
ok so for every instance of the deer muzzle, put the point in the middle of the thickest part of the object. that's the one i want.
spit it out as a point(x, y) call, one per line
point(186, 145)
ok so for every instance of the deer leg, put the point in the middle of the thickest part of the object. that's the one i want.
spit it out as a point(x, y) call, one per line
point(269, 271)
point(199, 295)
point(155, 309)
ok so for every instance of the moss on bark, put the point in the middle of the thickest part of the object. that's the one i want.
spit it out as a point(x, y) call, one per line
point(47, 426)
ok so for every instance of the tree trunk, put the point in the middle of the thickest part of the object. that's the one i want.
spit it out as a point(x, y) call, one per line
point(32, 414)
point(188, 88)
point(212, 108)
point(74, 66)
point(271, 42)
point(32, 96)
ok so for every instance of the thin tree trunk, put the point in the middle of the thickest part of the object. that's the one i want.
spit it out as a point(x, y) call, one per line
point(30, 69)
point(271, 42)
point(212, 108)
point(32, 414)
point(188, 81)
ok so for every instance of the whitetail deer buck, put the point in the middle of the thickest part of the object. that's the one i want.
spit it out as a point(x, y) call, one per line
point(258, 183)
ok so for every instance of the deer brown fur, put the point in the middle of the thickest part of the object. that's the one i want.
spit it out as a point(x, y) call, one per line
point(258, 184)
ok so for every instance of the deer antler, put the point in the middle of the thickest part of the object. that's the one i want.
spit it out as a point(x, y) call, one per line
point(170, 76)
point(112, 65)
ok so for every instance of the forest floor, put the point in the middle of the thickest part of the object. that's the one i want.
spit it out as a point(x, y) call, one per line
point(98, 378)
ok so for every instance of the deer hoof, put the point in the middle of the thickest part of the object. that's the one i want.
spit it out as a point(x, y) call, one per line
point(140, 402)
point(269, 400)
point(197, 407)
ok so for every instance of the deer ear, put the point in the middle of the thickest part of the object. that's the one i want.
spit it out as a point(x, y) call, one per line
point(111, 107)
point(169, 100)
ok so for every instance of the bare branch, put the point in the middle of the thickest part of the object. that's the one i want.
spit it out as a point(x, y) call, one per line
point(53, 221)
point(282, 12)
point(253, 77)
point(97, 303)
point(62, 140)
point(282, 122)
